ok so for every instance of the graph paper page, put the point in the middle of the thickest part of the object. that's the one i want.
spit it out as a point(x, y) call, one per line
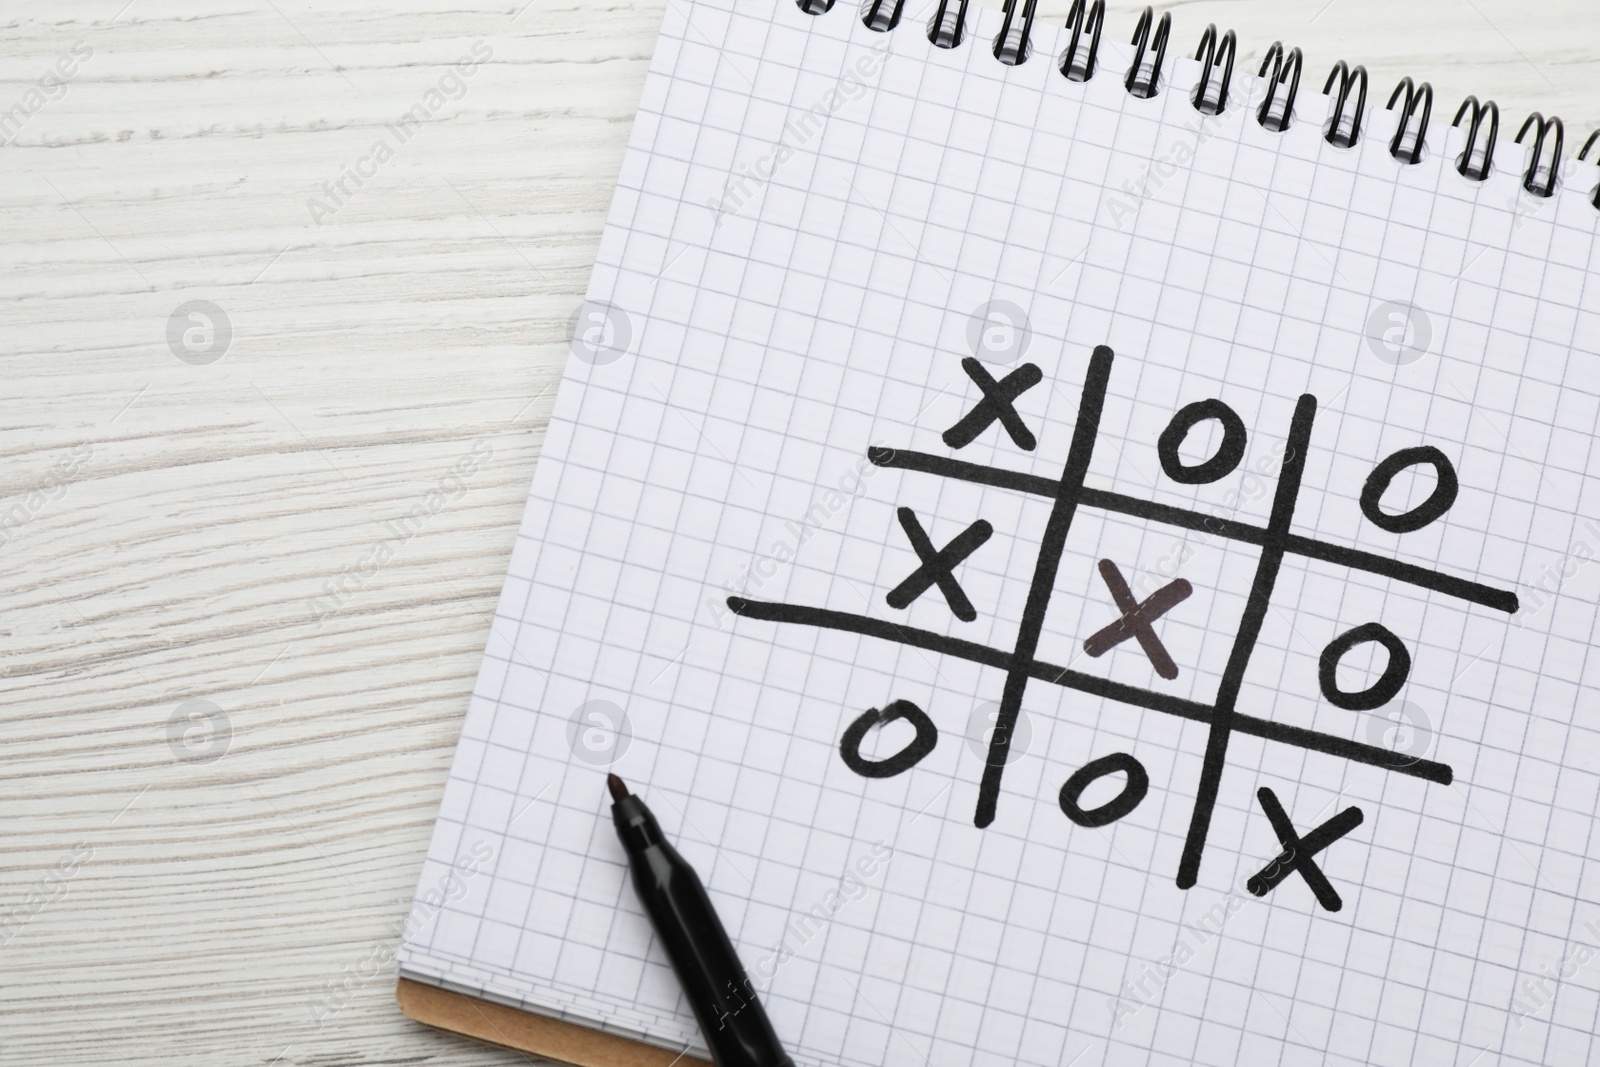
point(1081, 580)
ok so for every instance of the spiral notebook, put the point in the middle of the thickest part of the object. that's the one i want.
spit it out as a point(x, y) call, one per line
point(1088, 551)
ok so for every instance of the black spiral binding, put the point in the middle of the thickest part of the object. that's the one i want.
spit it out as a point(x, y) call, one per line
point(1090, 18)
point(1280, 68)
point(1344, 126)
point(1475, 164)
point(1416, 96)
point(1583, 157)
point(1285, 73)
point(1214, 52)
point(1011, 45)
point(1137, 83)
point(1540, 179)
point(876, 18)
point(948, 27)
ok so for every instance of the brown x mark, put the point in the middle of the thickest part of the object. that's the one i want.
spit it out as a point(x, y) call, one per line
point(1137, 618)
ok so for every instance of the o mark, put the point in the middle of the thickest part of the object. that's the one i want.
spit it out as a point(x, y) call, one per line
point(1228, 454)
point(906, 758)
point(1379, 693)
point(1133, 791)
point(1438, 502)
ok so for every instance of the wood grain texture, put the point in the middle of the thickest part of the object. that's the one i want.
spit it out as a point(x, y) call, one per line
point(167, 528)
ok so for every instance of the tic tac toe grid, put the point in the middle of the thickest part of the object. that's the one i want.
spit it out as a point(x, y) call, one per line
point(797, 297)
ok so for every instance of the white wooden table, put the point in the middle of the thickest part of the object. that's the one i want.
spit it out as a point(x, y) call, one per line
point(233, 676)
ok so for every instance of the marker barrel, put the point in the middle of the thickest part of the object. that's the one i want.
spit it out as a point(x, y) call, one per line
point(714, 982)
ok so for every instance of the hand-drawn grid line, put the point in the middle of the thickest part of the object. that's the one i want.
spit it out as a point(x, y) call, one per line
point(1068, 492)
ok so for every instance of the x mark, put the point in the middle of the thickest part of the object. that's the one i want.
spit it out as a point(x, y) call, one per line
point(1137, 618)
point(1298, 851)
point(938, 568)
point(998, 404)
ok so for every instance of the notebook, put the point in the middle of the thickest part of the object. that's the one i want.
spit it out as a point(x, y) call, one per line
point(1088, 551)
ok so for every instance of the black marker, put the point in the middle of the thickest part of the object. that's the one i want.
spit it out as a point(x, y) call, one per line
point(708, 968)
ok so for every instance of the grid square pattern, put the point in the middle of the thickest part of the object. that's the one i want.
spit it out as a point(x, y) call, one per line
point(809, 217)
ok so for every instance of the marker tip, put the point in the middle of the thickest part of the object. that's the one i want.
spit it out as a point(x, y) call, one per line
point(619, 790)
